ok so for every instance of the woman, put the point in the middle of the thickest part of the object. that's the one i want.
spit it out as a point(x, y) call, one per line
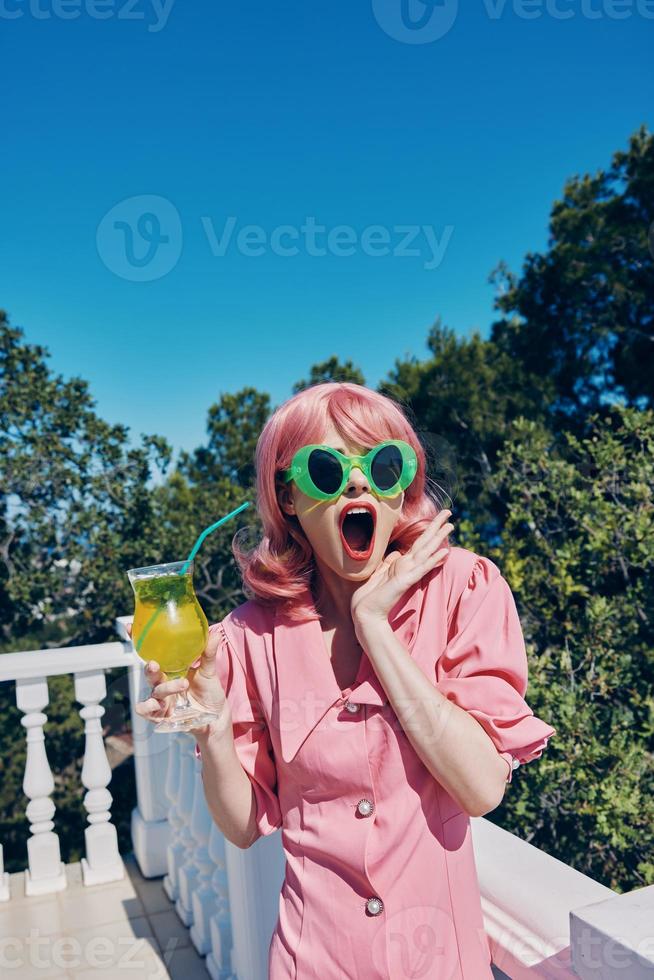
point(372, 699)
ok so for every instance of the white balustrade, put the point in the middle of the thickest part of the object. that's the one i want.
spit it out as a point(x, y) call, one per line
point(4, 879)
point(102, 862)
point(614, 939)
point(175, 850)
point(219, 958)
point(30, 670)
point(188, 871)
point(203, 898)
point(150, 826)
point(527, 897)
point(254, 877)
point(46, 871)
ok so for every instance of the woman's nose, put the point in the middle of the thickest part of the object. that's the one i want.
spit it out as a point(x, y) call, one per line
point(356, 481)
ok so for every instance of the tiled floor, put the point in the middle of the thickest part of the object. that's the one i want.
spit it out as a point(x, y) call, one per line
point(125, 929)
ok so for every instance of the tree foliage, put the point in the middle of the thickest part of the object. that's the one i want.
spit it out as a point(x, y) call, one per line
point(76, 506)
point(578, 551)
point(331, 370)
point(582, 313)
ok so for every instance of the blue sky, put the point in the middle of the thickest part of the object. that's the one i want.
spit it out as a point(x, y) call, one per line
point(133, 143)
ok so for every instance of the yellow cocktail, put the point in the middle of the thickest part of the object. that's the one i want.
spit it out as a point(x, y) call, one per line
point(170, 627)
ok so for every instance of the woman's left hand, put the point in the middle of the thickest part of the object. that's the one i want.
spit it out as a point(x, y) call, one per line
point(375, 598)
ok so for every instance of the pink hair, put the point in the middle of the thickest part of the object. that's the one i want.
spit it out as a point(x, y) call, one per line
point(280, 569)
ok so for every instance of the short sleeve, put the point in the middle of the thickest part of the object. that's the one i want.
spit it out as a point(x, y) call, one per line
point(251, 734)
point(484, 670)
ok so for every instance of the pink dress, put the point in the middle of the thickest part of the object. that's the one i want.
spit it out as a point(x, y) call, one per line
point(380, 881)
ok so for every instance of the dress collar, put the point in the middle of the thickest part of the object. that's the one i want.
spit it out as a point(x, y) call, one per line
point(307, 688)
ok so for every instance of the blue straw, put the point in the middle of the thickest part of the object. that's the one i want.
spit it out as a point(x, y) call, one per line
point(194, 551)
point(208, 530)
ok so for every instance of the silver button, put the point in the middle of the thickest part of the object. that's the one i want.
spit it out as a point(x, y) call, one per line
point(352, 707)
point(365, 807)
point(514, 763)
point(375, 905)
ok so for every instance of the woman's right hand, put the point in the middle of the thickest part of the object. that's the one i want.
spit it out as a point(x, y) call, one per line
point(204, 688)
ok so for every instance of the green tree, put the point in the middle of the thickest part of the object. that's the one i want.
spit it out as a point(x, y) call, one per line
point(462, 400)
point(577, 332)
point(233, 427)
point(76, 502)
point(77, 510)
point(582, 313)
point(331, 370)
point(578, 551)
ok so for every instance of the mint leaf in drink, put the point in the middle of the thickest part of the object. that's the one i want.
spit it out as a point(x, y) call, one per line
point(161, 589)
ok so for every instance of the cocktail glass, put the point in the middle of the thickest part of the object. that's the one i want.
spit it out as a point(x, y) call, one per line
point(170, 627)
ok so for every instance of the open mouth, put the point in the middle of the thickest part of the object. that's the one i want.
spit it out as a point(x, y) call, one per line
point(358, 534)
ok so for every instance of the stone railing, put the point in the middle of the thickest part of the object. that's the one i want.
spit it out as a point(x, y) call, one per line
point(542, 917)
point(30, 670)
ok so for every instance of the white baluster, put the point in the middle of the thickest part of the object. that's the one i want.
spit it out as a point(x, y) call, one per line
point(103, 862)
point(188, 872)
point(46, 872)
point(219, 958)
point(175, 849)
point(4, 879)
point(255, 877)
point(203, 899)
point(149, 824)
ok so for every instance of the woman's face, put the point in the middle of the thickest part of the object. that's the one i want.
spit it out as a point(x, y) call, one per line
point(321, 519)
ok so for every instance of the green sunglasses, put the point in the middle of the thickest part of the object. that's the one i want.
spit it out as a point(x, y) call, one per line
point(322, 472)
